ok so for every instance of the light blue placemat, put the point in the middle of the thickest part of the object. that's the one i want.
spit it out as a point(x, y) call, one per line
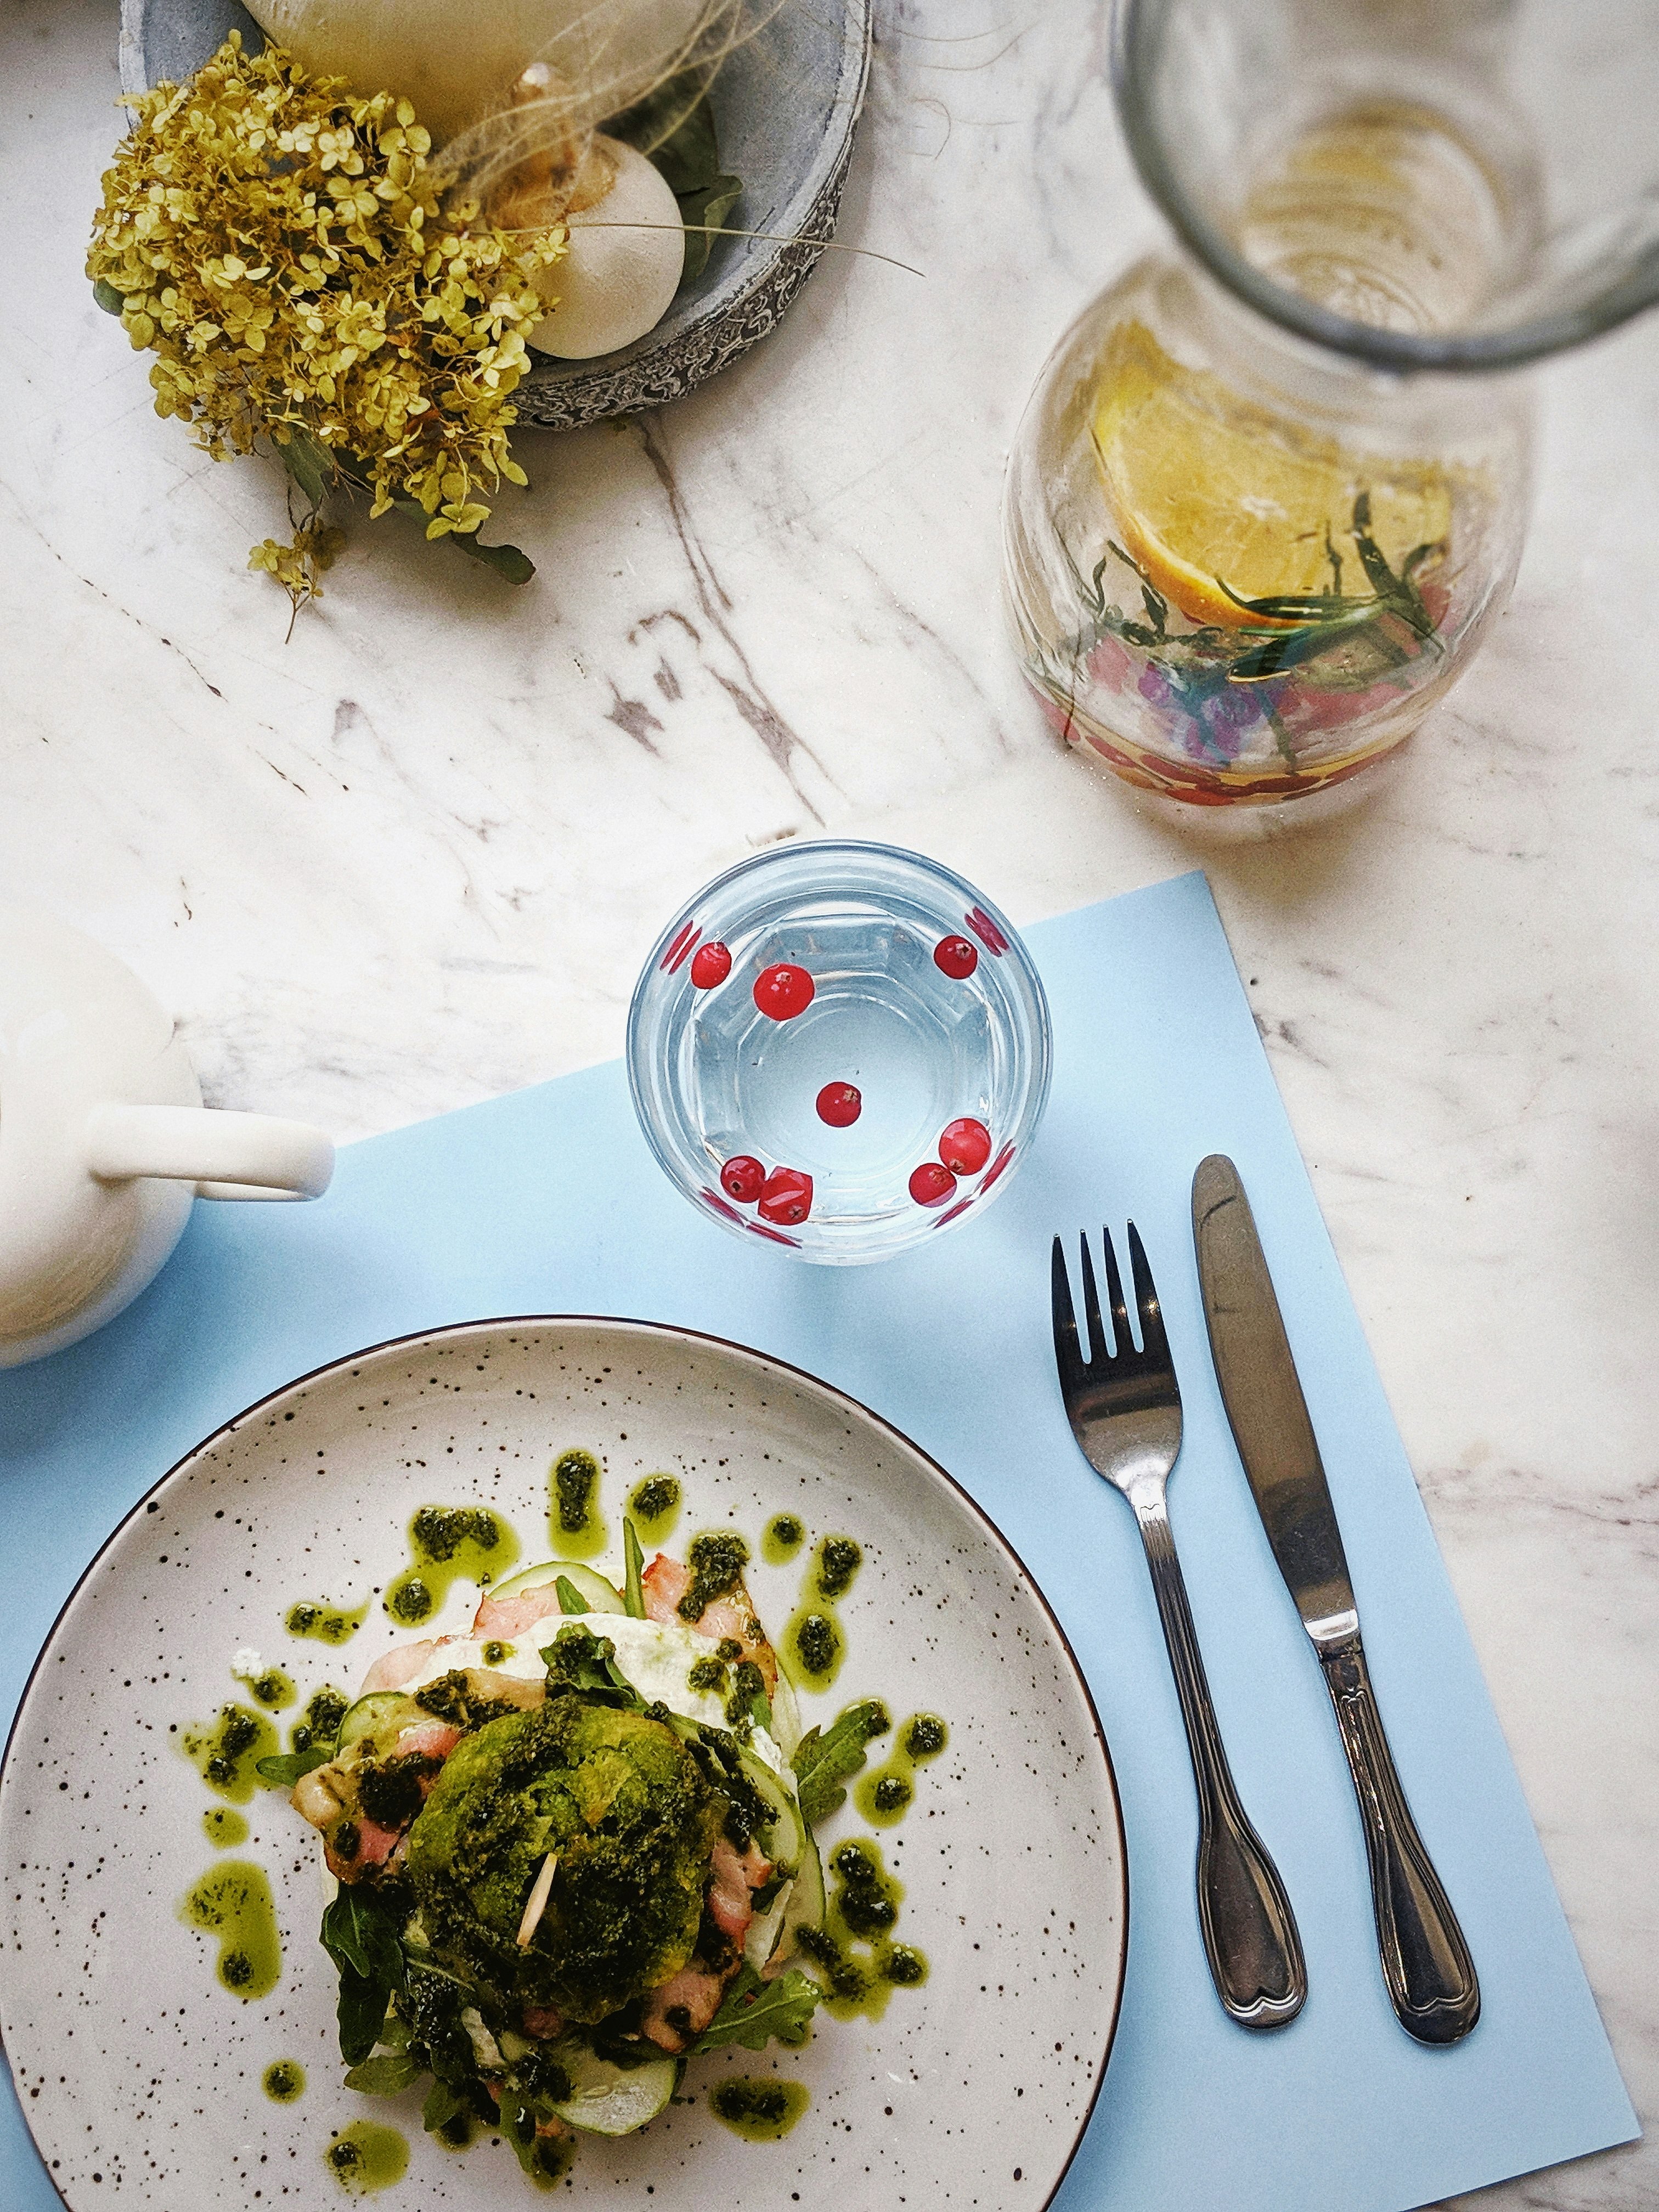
point(547, 1201)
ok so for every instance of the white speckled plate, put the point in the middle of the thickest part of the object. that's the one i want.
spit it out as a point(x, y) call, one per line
point(141, 2076)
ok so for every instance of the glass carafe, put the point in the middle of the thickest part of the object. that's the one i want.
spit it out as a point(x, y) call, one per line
point(1267, 500)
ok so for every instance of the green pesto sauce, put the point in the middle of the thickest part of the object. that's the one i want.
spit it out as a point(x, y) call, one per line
point(270, 1688)
point(838, 1560)
point(716, 1562)
point(224, 1752)
point(813, 1646)
point(327, 1624)
point(320, 1721)
point(575, 1527)
point(785, 1535)
point(655, 1506)
point(285, 2081)
point(223, 1827)
point(446, 1543)
point(886, 1796)
point(495, 1651)
point(366, 2157)
point(459, 2132)
point(857, 1956)
point(233, 1902)
point(763, 2110)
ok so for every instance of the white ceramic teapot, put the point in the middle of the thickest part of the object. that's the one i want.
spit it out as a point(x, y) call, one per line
point(104, 1140)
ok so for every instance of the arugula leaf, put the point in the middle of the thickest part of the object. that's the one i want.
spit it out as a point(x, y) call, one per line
point(822, 1763)
point(441, 2106)
point(112, 301)
point(570, 1598)
point(285, 1769)
point(360, 2010)
point(755, 2011)
point(362, 1938)
point(633, 1591)
point(386, 2075)
point(358, 1932)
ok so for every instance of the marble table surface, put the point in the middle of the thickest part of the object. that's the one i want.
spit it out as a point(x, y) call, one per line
point(413, 856)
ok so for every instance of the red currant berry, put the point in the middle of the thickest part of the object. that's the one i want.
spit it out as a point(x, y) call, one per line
point(743, 1178)
point(932, 1184)
point(787, 1197)
point(711, 963)
point(783, 992)
point(964, 1147)
point(955, 957)
point(840, 1105)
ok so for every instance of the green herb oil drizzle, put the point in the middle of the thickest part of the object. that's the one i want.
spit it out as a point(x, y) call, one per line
point(233, 1903)
point(284, 2079)
point(574, 1527)
point(223, 1827)
point(813, 1640)
point(326, 1623)
point(366, 2157)
point(760, 2111)
point(226, 1752)
point(860, 1963)
point(655, 1507)
point(785, 1535)
point(884, 1796)
point(446, 1543)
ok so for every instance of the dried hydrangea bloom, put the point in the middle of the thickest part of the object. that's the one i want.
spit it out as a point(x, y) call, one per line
point(283, 248)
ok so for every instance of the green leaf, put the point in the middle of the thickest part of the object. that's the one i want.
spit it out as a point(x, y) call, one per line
point(359, 1933)
point(755, 2012)
point(632, 1591)
point(703, 212)
point(361, 2011)
point(570, 1598)
point(441, 2106)
point(822, 1763)
point(112, 301)
point(285, 1769)
point(307, 460)
point(509, 563)
point(387, 2075)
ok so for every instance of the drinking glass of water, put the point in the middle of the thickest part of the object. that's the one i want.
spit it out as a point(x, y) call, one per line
point(840, 1049)
point(1268, 498)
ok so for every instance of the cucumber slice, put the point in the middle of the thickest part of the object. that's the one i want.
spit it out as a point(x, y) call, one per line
point(785, 1841)
point(382, 1712)
point(613, 2101)
point(599, 1595)
point(808, 1900)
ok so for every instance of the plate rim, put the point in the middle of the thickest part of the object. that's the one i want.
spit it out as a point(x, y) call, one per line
point(674, 1331)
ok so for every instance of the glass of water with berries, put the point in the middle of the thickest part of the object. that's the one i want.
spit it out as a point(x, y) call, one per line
point(839, 1047)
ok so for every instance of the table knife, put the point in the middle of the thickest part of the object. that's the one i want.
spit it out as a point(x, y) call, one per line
point(1426, 1965)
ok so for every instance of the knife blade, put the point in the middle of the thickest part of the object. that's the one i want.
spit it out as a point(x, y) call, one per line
point(1426, 1964)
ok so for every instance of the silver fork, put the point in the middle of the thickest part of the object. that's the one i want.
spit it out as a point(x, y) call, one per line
point(1124, 1405)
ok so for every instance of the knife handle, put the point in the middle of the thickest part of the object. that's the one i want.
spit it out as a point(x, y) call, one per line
point(1249, 1928)
point(1426, 1961)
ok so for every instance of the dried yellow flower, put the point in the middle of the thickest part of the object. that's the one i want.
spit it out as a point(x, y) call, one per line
point(283, 248)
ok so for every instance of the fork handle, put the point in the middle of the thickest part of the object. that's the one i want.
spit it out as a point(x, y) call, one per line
point(1426, 1964)
point(1250, 1932)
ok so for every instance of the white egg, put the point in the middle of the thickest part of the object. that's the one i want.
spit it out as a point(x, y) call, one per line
point(622, 268)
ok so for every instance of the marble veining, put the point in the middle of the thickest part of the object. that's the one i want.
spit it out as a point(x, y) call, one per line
point(413, 857)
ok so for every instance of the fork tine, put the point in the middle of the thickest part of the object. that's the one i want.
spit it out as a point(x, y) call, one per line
point(1098, 1346)
point(1126, 1343)
point(1146, 1300)
point(1068, 1357)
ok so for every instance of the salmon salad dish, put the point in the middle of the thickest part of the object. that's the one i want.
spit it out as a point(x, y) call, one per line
point(573, 1848)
